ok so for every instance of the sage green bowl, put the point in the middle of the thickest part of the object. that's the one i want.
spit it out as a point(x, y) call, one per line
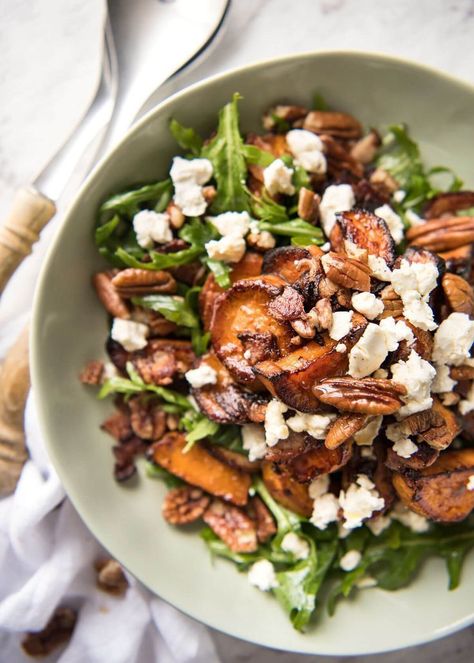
point(70, 327)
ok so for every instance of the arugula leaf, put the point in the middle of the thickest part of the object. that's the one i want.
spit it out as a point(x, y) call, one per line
point(172, 307)
point(156, 472)
point(186, 137)
point(255, 156)
point(295, 228)
point(129, 202)
point(104, 231)
point(266, 209)
point(159, 260)
point(199, 427)
point(281, 126)
point(221, 271)
point(287, 521)
point(230, 170)
point(319, 102)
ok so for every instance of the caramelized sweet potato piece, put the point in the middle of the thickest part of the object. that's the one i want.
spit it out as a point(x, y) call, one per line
point(260, 514)
point(366, 231)
point(250, 265)
point(459, 261)
point(448, 203)
point(439, 492)
point(424, 457)
point(245, 308)
point(285, 450)
point(226, 401)
point(233, 458)
point(273, 143)
point(199, 468)
point(284, 261)
point(285, 490)
point(319, 460)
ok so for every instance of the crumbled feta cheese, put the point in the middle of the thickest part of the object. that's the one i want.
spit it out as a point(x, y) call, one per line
point(262, 575)
point(341, 347)
point(467, 404)
point(410, 519)
point(131, 335)
point(150, 227)
point(314, 424)
point(354, 251)
point(336, 198)
point(416, 374)
point(414, 282)
point(110, 371)
point(367, 304)
point(369, 352)
point(367, 452)
point(367, 435)
point(395, 331)
point(378, 524)
point(367, 582)
point(275, 424)
point(261, 239)
point(325, 247)
point(227, 249)
point(470, 482)
point(453, 340)
point(399, 195)
point(319, 486)
point(405, 448)
point(442, 382)
point(379, 268)
point(188, 176)
point(350, 560)
point(325, 511)
point(341, 325)
point(277, 178)
point(295, 545)
point(360, 501)
point(253, 440)
point(307, 148)
point(413, 218)
point(236, 224)
point(200, 376)
point(393, 221)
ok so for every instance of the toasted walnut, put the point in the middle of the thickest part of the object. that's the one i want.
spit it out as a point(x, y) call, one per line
point(327, 288)
point(92, 372)
point(184, 505)
point(443, 234)
point(393, 305)
point(344, 297)
point(287, 306)
point(364, 396)
point(343, 428)
point(57, 631)
point(266, 527)
point(261, 241)
point(232, 525)
point(259, 346)
point(365, 148)
point(172, 422)
point(110, 298)
point(346, 272)
point(176, 215)
point(148, 421)
point(322, 314)
point(341, 125)
point(384, 182)
point(164, 360)
point(110, 577)
point(308, 205)
point(124, 467)
point(458, 293)
point(304, 327)
point(118, 425)
point(133, 282)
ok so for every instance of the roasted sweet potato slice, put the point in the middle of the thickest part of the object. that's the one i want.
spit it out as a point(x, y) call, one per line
point(245, 308)
point(273, 143)
point(285, 490)
point(284, 261)
point(226, 401)
point(366, 231)
point(233, 458)
point(440, 492)
point(448, 203)
point(319, 460)
point(424, 457)
point(250, 265)
point(285, 450)
point(199, 468)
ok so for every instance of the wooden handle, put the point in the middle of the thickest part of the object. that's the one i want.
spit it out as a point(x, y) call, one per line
point(30, 212)
point(14, 386)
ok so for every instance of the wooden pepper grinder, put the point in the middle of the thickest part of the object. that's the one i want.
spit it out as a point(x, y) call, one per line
point(30, 212)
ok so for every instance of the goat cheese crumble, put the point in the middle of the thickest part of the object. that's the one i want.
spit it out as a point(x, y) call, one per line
point(276, 428)
point(253, 441)
point(410, 519)
point(230, 248)
point(341, 325)
point(442, 382)
point(367, 304)
point(314, 424)
point(453, 340)
point(350, 560)
point(307, 149)
point(405, 448)
point(393, 221)
point(360, 501)
point(368, 353)
point(295, 545)
point(151, 227)
point(470, 482)
point(262, 575)
point(336, 198)
point(414, 282)
point(277, 178)
point(131, 335)
point(188, 177)
point(201, 376)
point(365, 436)
point(379, 268)
point(416, 374)
point(231, 223)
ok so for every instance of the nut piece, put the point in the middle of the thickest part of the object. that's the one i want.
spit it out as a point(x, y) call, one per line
point(176, 215)
point(443, 234)
point(365, 396)
point(92, 372)
point(286, 113)
point(184, 505)
point(110, 298)
point(266, 527)
point(346, 272)
point(322, 314)
point(341, 125)
point(365, 148)
point(232, 525)
point(383, 182)
point(393, 305)
point(437, 426)
point(110, 577)
point(460, 373)
point(57, 631)
point(287, 306)
point(133, 282)
point(339, 159)
point(458, 293)
point(343, 428)
point(308, 205)
point(148, 421)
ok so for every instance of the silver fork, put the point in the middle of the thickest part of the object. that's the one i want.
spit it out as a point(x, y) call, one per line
point(145, 42)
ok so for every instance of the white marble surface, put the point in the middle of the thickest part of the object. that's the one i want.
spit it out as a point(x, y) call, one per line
point(49, 67)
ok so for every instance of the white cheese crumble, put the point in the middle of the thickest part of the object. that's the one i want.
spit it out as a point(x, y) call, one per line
point(131, 335)
point(307, 148)
point(150, 227)
point(228, 249)
point(395, 331)
point(416, 374)
point(276, 428)
point(405, 448)
point(442, 381)
point(325, 505)
point(367, 435)
point(262, 575)
point(188, 176)
point(314, 424)
point(236, 224)
point(277, 178)
point(341, 325)
point(453, 339)
point(367, 582)
point(350, 560)
point(253, 441)
point(379, 268)
point(470, 482)
point(414, 282)
point(295, 545)
point(341, 347)
point(413, 218)
point(360, 501)
point(201, 376)
point(336, 198)
point(393, 221)
point(368, 353)
point(410, 519)
point(379, 524)
point(325, 247)
point(367, 304)
point(399, 195)
point(354, 251)
point(110, 371)
point(261, 238)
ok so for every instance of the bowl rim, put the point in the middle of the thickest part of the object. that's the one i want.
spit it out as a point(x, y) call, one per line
point(34, 344)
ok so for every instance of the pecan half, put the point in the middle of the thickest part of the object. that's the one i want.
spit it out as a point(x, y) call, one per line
point(184, 505)
point(458, 293)
point(341, 125)
point(232, 525)
point(437, 426)
point(157, 324)
point(448, 203)
point(343, 428)
point(393, 305)
point(147, 420)
point(308, 205)
point(266, 527)
point(164, 360)
point(57, 631)
point(133, 282)
point(365, 396)
point(346, 272)
point(92, 372)
point(443, 234)
point(461, 373)
point(110, 577)
point(365, 148)
point(110, 298)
